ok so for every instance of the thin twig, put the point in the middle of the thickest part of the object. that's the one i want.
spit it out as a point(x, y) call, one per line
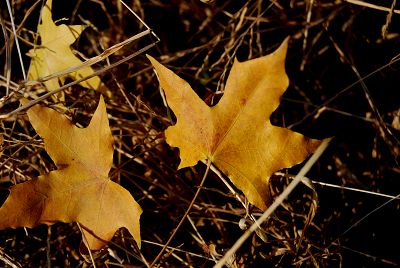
point(364, 217)
point(8, 56)
point(369, 5)
point(8, 260)
point(48, 94)
point(184, 216)
point(275, 204)
point(16, 39)
point(86, 244)
point(341, 187)
point(178, 250)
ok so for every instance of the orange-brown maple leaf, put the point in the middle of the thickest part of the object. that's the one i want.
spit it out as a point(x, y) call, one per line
point(236, 134)
point(79, 190)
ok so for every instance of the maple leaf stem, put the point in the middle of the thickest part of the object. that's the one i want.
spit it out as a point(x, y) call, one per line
point(184, 216)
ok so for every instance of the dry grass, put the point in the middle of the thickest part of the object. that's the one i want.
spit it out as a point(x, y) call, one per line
point(344, 75)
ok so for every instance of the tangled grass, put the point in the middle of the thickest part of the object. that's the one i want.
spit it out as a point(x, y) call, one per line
point(344, 71)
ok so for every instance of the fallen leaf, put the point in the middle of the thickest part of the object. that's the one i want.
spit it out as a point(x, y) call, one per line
point(79, 190)
point(236, 134)
point(54, 53)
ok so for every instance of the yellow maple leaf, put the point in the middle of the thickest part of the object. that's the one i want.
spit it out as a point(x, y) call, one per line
point(236, 134)
point(80, 190)
point(54, 53)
